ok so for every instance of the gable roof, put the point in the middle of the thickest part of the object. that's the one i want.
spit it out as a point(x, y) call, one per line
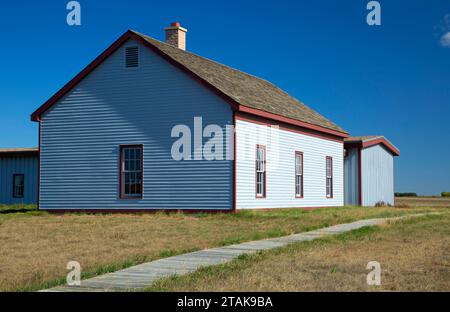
point(371, 140)
point(244, 92)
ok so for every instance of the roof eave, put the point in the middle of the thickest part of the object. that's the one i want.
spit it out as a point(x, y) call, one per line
point(291, 121)
point(36, 115)
point(374, 141)
point(129, 34)
point(382, 140)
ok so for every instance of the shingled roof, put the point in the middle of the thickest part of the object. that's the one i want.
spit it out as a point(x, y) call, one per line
point(244, 89)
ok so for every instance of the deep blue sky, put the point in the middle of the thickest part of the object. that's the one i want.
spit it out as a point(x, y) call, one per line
point(392, 80)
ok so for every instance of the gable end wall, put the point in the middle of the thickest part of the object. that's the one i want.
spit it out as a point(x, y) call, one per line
point(82, 133)
point(377, 175)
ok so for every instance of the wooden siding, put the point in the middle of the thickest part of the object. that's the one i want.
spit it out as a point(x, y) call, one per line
point(351, 176)
point(81, 137)
point(26, 165)
point(377, 168)
point(280, 179)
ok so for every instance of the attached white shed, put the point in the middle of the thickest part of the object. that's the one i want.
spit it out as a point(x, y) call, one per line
point(369, 171)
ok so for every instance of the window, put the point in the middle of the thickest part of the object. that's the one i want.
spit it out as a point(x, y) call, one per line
point(131, 171)
point(18, 185)
point(329, 177)
point(260, 171)
point(131, 57)
point(299, 174)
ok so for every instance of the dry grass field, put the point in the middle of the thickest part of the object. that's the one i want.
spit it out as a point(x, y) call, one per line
point(414, 255)
point(422, 201)
point(36, 246)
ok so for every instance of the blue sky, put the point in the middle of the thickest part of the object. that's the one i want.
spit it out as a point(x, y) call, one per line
point(393, 79)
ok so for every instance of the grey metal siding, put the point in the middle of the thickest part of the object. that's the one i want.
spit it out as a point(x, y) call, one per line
point(82, 133)
point(26, 165)
point(351, 177)
point(377, 168)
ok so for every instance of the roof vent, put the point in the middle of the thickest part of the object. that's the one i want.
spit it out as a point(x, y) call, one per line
point(132, 57)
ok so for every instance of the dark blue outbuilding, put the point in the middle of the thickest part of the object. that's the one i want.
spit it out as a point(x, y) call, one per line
point(19, 175)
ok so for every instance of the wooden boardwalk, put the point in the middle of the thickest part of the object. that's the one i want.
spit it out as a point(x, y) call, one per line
point(143, 275)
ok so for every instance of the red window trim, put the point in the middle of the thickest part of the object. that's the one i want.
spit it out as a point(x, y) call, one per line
point(14, 185)
point(121, 194)
point(332, 177)
point(295, 176)
point(256, 172)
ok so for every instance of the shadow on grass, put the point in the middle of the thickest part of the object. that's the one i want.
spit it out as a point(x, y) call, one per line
point(16, 211)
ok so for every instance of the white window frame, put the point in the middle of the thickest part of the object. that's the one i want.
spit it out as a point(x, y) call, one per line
point(260, 171)
point(299, 181)
point(329, 176)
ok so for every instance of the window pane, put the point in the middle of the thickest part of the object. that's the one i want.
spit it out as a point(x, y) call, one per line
point(132, 185)
point(298, 185)
point(262, 183)
point(138, 165)
point(18, 185)
point(132, 171)
point(328, 167)
point(329, 187)
point(139, 188)
point(260, 171)
point(127, 183)
point(301, 185)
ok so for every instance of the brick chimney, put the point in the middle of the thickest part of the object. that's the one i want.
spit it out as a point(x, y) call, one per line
point(176, 35)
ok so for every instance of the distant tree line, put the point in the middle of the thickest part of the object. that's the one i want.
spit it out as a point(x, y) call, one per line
point(405, 194)
point(443, 194)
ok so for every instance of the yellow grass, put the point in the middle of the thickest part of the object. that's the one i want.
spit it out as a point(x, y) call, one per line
point(414, 256)
point(423, 201)
point(35, 247)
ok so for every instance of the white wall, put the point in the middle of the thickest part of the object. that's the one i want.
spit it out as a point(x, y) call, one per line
point(280, 175)
point(377, 168)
